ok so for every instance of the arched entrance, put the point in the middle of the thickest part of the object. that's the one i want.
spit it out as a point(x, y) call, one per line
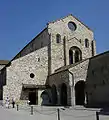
point(80, 93)
point(45, 98)
point(54, 95)
point(63, 94)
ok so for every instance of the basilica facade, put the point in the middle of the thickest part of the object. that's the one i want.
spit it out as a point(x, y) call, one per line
point(58, 67)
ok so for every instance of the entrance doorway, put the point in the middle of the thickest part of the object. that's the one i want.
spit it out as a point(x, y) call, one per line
point(32, 98)
point(80, 93)
point(63, 94)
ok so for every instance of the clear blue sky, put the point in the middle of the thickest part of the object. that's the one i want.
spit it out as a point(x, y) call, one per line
point(22, 20)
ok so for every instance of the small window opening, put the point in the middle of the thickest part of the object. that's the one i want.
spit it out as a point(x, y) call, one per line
point(32, 75)
point(86, 43)
point(58, 38)
point(38, 59)
point(92, 44)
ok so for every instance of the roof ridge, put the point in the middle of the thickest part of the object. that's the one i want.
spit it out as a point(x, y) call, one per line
point(67, 16)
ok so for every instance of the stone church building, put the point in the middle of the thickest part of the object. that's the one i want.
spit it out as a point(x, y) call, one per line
point(58, 67)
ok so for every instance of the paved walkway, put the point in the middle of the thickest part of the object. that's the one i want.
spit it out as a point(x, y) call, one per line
point(49, 113)
point(12, 114)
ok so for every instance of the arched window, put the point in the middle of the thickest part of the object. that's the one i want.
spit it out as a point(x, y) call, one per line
point(70, 56)
point(58, 38)
point(75, 55)
point(92, 45)
point(86, 43)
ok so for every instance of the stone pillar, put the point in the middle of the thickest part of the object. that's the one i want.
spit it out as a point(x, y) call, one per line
point(64, 49)
point(58, 96)
point(39, 97)
point(71, 83)
point(73, 96)
point(73, 51)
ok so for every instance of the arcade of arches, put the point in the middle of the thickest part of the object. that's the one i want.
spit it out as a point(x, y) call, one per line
point(60, 96)
point(75, 55)
point(63, 95)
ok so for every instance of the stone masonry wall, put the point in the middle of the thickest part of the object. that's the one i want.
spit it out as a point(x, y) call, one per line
point(72, 38)
point(98, 80)
point(19, 71)
point(58, 79)
point(95, 72)
point(38, 42)
point(44, 55)
point(80, 71)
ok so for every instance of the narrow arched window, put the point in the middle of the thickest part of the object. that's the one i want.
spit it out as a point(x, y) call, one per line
point(58, 38)
point(92, 44)
point(86, 43)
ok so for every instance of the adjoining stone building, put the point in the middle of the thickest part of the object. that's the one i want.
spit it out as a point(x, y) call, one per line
point(3, 63)
point(59, 67)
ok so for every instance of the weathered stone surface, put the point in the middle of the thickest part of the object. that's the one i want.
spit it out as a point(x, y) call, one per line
point(80, 71)
point(43, 56)
point(19, 72)
point(97, 80)
point(72, 38)
point(41, 40)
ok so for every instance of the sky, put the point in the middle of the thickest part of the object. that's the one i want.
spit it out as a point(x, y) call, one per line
point(22, 20)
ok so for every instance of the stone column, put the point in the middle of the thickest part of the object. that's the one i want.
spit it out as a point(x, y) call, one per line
point(73, 51)
point(72, 89)
point(58, 96)
point(64, 49)
point(73, 96)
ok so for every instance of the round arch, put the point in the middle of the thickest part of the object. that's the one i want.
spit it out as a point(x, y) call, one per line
point(45, 98)
point(80, 92)
point(75, 55)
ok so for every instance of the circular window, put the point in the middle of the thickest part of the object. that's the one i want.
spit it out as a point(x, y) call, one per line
point(32, 75)
point(72, 26)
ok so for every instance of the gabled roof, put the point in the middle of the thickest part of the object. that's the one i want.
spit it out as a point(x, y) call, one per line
point(73, 17)
point(9, 62)
point(4, 62)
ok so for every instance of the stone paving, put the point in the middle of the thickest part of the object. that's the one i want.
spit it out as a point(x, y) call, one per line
point(50, 113)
